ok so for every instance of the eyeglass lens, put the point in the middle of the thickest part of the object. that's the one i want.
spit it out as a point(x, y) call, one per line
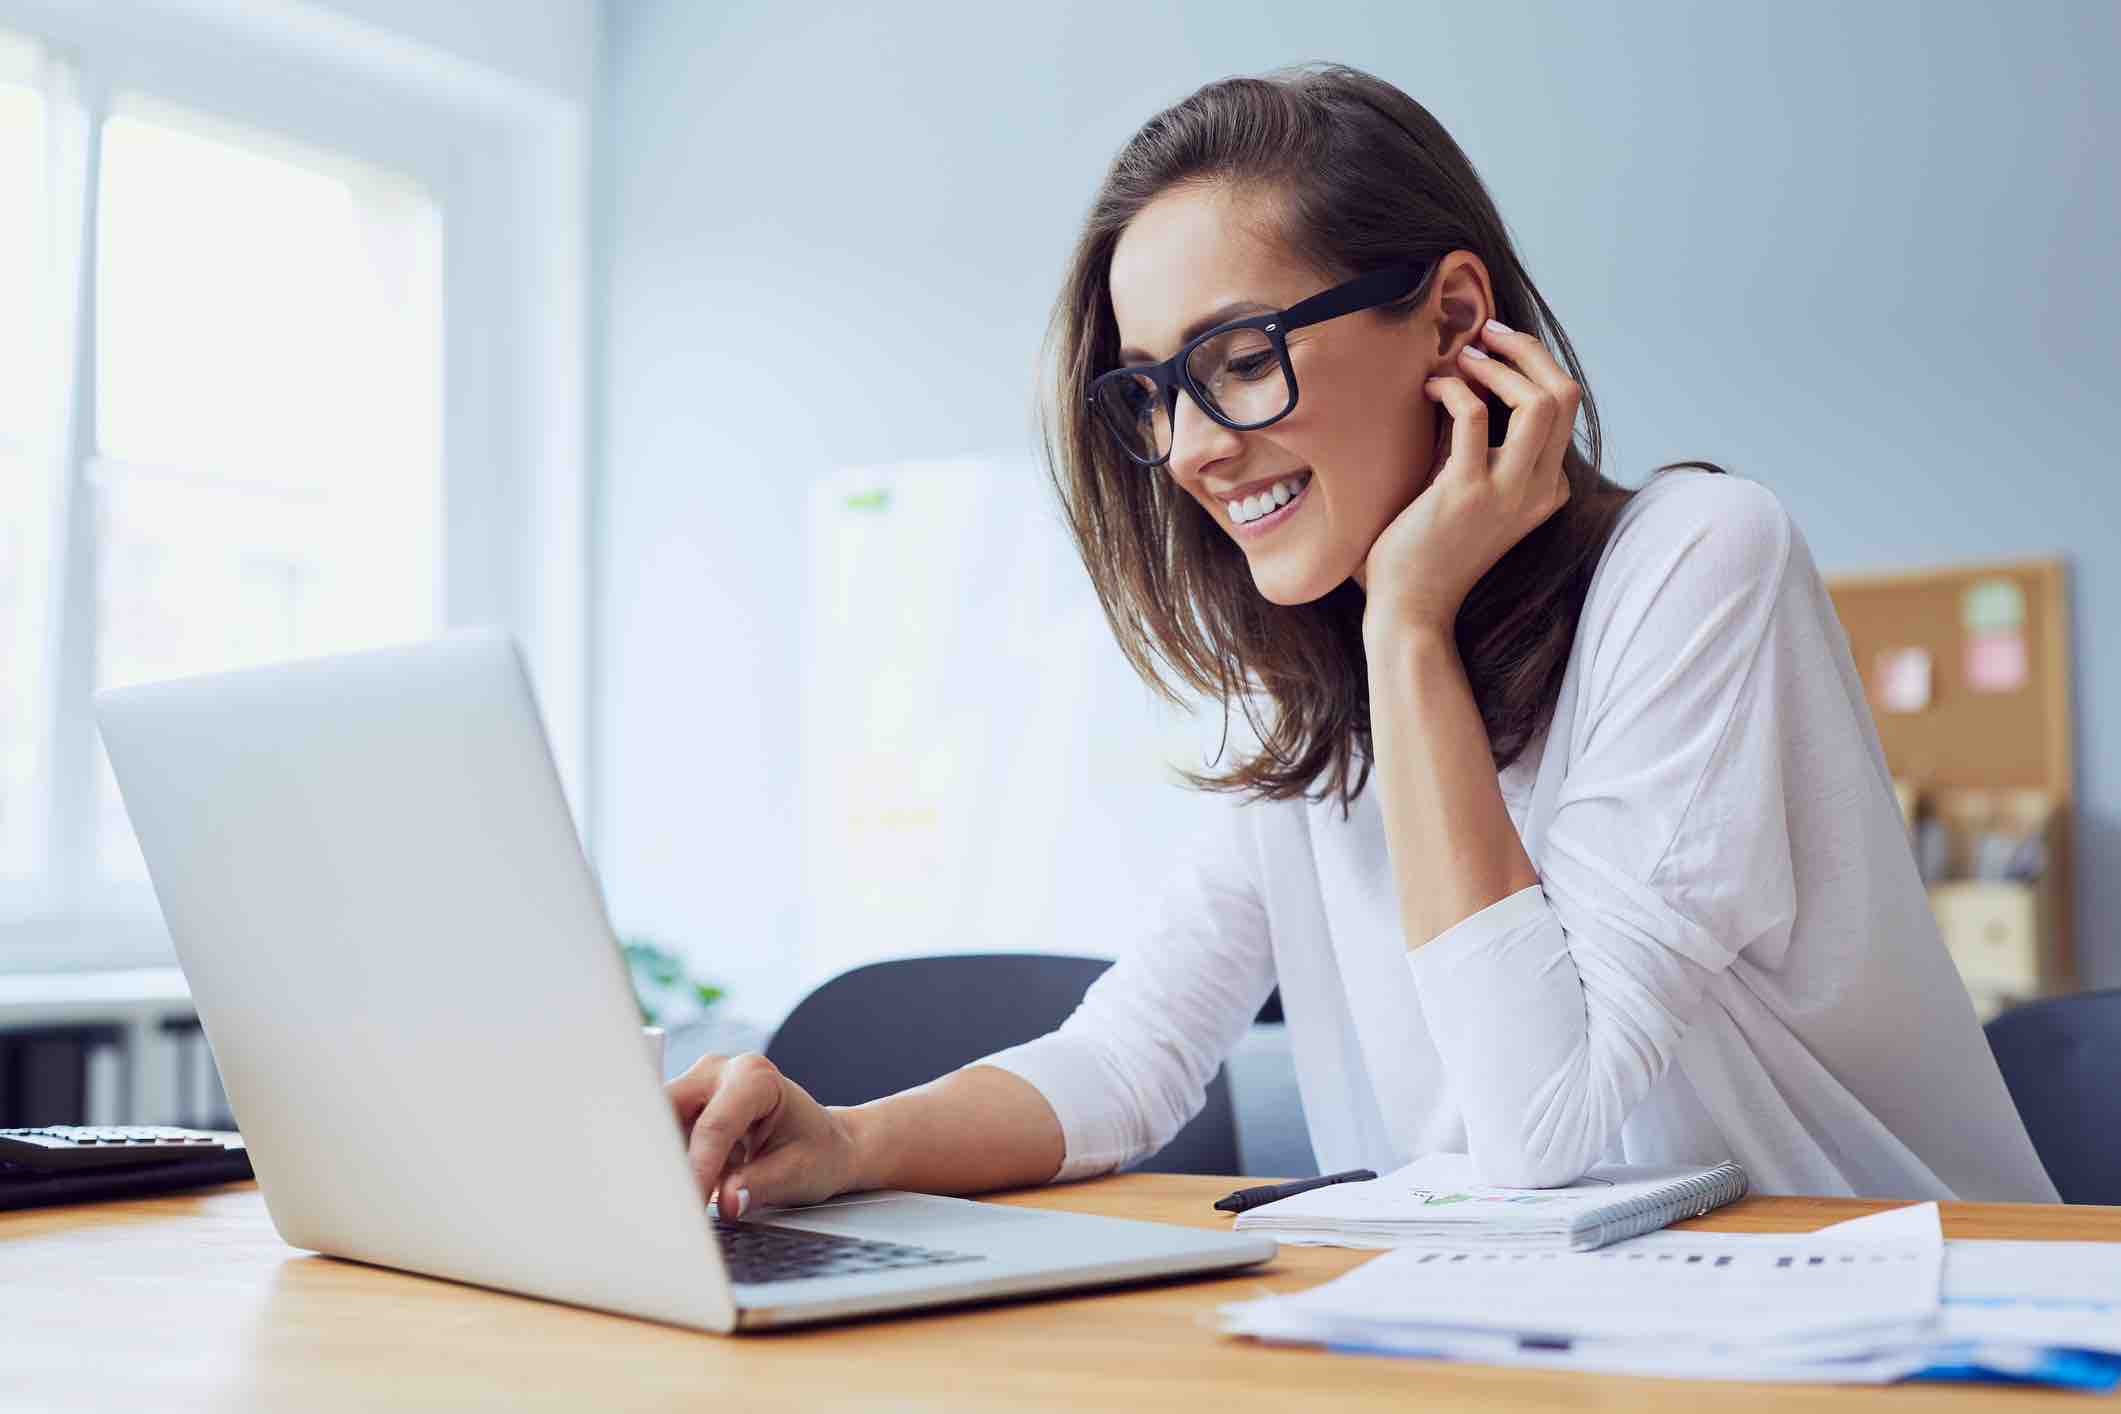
point(1238, 372)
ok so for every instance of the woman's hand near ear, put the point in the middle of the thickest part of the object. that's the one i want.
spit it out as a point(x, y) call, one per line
point(1481, 501)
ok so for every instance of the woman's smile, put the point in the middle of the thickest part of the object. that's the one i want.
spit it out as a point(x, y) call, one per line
point(1257, 515)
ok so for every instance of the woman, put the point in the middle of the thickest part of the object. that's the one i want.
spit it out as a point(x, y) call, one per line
point(1631, 885)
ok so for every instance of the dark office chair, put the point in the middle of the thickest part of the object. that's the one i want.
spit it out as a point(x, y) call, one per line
point(2061, 1059)
point(891, 1025)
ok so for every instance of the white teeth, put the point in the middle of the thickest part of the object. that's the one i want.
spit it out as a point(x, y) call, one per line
point(1282, 492)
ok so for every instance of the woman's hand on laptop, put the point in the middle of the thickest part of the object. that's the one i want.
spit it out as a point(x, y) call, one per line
point(756, 1137)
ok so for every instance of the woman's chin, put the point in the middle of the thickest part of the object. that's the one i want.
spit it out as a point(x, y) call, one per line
point(1289, 581)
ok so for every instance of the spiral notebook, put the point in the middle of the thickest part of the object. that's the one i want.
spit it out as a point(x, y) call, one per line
point(1439, 1201)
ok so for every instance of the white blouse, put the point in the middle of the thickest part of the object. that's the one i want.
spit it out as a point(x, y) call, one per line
point(1729, 953)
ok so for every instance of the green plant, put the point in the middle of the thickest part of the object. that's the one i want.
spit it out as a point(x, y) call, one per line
point(661, 981)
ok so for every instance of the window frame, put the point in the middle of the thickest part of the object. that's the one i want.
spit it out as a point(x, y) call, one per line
point(504, 172)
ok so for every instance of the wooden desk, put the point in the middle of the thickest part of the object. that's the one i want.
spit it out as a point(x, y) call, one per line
point(193, 1302)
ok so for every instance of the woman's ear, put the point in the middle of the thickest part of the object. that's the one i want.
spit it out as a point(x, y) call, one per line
point(1460, 303)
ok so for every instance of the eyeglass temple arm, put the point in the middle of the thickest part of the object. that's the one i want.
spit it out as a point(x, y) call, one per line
point(1363, 292)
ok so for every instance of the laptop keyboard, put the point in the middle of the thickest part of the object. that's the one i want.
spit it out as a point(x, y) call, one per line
point(755, 1253)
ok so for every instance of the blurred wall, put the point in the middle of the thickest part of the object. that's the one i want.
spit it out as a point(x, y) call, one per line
point(550, 44)
point(1864, 254)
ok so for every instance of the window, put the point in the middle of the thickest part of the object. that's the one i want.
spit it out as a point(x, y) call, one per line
point(26, 323)
point(267, 393)
point(230, 450)
point(292, 330)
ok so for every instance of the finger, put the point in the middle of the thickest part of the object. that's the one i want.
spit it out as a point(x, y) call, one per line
point(750, 1093)
point(1469, 425)
point(1533, 361)
point(1533, 410)
point(1511, 386)
point(1529, 356)
point(690, 1092)
point(749, 1147)
point(769, 1178)
point(713, 1182)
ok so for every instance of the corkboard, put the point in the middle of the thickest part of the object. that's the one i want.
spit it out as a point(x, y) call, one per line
point(2020, 738)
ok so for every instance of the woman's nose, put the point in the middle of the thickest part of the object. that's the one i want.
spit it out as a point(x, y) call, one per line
point(1197, 439)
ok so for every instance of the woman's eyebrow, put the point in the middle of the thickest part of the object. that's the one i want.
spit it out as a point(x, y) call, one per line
point(1201, 325)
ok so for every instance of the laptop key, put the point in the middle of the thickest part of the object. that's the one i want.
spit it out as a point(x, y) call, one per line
point(756, 1253)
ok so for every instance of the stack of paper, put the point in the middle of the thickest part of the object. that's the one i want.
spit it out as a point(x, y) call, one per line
point(2047, 1311)
point(1439, 1201)
point(1871, 1301)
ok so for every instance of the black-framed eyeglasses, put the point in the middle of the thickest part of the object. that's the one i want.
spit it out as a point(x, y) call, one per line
point(1237, 373)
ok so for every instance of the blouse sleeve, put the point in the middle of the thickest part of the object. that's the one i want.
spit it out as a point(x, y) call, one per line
point(1555, 1009)
point(1131, 1065)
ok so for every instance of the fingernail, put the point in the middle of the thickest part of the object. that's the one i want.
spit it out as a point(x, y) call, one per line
point(1474, 351)
point(1499, 327)
point(743, 1200)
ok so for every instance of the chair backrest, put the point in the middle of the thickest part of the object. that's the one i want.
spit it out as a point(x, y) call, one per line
point(2061, 1058)
point(889, 1026)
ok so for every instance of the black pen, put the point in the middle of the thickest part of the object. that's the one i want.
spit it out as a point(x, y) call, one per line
point(1245, 1198)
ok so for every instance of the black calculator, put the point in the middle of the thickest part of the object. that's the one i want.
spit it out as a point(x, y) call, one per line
point(79, 1163)
point(64, 1148)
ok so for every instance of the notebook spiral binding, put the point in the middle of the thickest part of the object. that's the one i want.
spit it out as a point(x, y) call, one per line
point(1686, 1198)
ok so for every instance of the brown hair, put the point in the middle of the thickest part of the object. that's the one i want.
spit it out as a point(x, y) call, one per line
point(1366, 177)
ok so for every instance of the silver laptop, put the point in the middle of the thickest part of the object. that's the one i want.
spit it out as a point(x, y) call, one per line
point(428, 1036)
